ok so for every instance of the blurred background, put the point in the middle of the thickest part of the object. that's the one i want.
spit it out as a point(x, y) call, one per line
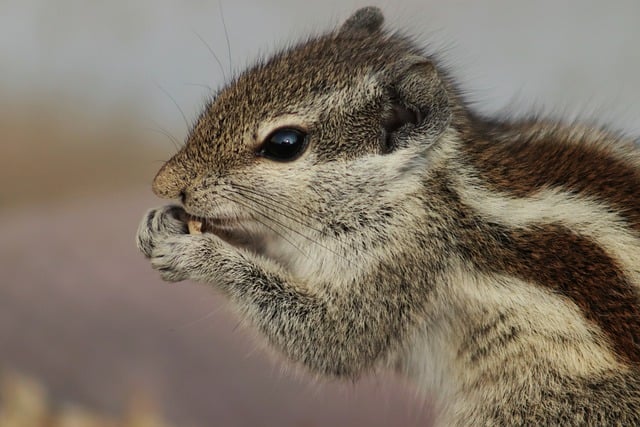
point(92, 97)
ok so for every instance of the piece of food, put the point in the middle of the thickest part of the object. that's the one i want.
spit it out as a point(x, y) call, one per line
point(194, 226)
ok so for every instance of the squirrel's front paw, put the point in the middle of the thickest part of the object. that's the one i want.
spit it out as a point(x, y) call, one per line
point(158, 224)
point(177, 257)
point(163, 237)
point(203, 257)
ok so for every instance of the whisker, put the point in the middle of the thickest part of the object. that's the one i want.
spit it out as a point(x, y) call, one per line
point(235, 328)
point(265, 203)
point(278, 209)
point(166, 133)
point(201, 318)
point(266, 225)
point(202, 85)
point(226, 36)
point(186, 122)
point(341, 244)
point(281, 224)
point(224, 76)
point(289, 228)
point(344, 246)
point(265, 199)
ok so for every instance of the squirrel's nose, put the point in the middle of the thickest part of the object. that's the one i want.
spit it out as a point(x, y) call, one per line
point(169, 182)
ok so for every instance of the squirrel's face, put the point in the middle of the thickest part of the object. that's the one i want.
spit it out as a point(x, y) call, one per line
point(320, 134)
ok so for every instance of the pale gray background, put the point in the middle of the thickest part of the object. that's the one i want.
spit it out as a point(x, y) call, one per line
point(81, 310)
point(567, 56)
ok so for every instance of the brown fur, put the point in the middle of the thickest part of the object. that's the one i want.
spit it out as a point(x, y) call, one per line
point(495, 264)
point(569, 264)
point(574, 164)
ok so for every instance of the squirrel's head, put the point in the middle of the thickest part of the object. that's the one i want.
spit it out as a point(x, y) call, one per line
point(333, 126)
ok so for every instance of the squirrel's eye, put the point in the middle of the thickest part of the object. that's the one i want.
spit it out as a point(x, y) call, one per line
point(284, 144)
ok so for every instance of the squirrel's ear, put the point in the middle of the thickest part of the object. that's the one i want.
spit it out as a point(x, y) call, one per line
point(420, 104)
point(368, 20)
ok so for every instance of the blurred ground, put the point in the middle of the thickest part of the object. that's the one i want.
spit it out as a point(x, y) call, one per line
point(25, 403)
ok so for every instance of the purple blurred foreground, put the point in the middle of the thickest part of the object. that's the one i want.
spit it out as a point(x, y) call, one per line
point(82, 311)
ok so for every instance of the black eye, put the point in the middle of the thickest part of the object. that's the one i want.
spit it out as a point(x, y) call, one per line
point(284, 144)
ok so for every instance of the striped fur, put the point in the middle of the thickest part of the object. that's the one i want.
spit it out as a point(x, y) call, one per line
point(574, 221)
point(495, 264)
point(551, 289)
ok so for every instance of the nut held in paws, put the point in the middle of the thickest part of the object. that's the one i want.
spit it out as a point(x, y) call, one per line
point(195, 226)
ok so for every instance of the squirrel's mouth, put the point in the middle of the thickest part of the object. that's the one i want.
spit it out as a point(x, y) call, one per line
point(233, 230)
point(199, 225)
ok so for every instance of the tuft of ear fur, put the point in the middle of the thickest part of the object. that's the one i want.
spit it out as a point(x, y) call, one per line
point(421, 110)
point(368, 19)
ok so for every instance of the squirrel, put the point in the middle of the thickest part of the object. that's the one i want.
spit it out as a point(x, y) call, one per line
point(362, 217)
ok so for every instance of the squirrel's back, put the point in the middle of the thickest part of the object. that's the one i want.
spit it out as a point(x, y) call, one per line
point(545, 232)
